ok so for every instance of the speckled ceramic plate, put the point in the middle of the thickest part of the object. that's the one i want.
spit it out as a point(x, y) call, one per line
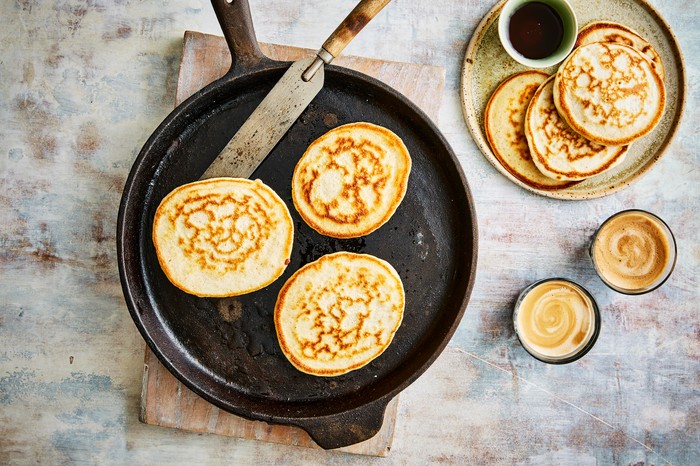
point(486, 64)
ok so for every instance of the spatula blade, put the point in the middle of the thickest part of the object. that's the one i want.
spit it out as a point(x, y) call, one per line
point(267, 124)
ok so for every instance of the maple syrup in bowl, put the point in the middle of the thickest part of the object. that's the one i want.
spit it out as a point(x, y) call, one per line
point(538, 33)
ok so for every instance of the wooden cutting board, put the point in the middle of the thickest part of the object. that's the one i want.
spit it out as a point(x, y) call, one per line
point(164, 400)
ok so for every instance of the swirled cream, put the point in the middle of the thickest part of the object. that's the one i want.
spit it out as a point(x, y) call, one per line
point(555, 319)
point(632, 251)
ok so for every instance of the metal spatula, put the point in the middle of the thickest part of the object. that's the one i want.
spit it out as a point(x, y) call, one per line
point(287, 100)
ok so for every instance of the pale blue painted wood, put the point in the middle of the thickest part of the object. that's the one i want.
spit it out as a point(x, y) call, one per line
point(83, 84)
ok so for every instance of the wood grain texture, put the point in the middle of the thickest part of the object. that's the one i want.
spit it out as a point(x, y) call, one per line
point(206, 58)
point(352, 25)
point(167, 402)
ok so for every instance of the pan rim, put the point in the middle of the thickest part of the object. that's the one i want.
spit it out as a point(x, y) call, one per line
point(132, 291)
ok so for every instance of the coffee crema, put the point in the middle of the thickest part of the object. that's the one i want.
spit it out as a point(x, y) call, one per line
point(556, 320)
point(633, 251)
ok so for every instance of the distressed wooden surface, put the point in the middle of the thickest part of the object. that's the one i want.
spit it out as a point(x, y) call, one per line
point(84, 83)
point(164, 400)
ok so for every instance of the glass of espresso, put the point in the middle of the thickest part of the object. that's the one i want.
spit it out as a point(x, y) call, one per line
point(633, 252)
point(557, 321)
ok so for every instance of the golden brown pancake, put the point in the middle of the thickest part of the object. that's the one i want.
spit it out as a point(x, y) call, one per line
point(607, 31)
point(338, 313)
point(222, 236)
point(351, 180)
point(609, 93)
point(504, 127)
point(558, 151)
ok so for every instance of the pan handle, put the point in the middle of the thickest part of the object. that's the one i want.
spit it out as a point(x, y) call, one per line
point(348, 428)
point(237, 25)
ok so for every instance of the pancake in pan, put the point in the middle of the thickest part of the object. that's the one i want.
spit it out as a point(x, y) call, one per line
point(558, 151)
point(222, 236)
point(607, 31)
point(609, 93)
point(339, 313)
point(504, 127)
point(351, 180)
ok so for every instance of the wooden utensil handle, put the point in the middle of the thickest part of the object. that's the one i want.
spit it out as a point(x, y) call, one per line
point(352, 24)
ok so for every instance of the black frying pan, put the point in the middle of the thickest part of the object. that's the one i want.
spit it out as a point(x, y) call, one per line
point(226, 350)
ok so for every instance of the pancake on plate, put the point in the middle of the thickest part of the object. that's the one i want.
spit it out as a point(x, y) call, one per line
point(222, 236)
point(351, 180)
point(338, 313)
point(606, 31)
point(558, 151)
point(504, 120)
point(609, 93)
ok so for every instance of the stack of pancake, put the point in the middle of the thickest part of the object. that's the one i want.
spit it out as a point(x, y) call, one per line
point(231, 236)
point(551, 132)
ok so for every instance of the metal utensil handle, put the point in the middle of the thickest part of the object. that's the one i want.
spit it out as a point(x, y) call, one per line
point(344, 33)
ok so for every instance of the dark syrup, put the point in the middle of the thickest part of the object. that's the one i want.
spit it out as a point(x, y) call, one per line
point(536, 30)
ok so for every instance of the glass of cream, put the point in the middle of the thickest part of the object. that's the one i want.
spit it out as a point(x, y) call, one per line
point(633, 252)
point(556, 320)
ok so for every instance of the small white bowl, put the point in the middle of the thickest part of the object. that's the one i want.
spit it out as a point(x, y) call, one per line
point(570, 27)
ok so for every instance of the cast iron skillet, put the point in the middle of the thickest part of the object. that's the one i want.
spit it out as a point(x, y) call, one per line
point(226, 350)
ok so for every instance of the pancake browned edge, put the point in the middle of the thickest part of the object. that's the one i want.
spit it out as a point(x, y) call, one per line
point(609, 93)
point(557, 150)
point(504, 120)
point(223, 236)
point(607, 31)
point(337, 314)
point(351, 180)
